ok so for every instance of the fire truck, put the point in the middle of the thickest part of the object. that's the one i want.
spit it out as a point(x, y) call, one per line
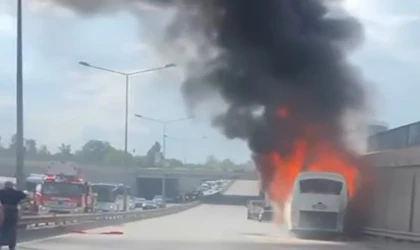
point(64, 190)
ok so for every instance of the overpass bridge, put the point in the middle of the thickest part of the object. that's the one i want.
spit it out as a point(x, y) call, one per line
point(145, 182)
point(197, 173)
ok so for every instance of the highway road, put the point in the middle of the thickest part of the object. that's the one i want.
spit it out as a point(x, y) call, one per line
point(206, 227)
point(244, 188)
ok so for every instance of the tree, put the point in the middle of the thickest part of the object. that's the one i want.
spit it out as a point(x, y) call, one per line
point(1, 145)
point(94, 151)
point(64, 151)
point(12, 145)
point(43, 151)
point(154, 156)
point(227, 164)
point(212, 161)
point(30, 145)
point(115, 157)
point(174, 163)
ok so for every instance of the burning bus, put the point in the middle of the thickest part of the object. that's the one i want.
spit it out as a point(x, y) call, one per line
point(318, 203)
point(111, 197)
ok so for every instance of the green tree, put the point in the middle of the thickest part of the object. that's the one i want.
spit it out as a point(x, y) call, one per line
point(211, 161)
point(94, 151)
point(174, 163)
point(64, 151)
point(30, 145)
point(154, 155)
point(12, 145)
point(227, 164)
point(116, 157)
point(43, 151)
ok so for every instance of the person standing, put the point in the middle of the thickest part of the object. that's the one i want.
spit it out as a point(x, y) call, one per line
point(10, 199)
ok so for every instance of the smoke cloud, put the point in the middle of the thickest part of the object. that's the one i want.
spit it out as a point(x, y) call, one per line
point(282, 68)
point(261, 56)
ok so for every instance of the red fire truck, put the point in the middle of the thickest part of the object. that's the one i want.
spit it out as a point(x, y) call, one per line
point(64, 190)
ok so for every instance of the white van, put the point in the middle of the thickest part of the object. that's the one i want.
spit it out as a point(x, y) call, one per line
point(318, 203)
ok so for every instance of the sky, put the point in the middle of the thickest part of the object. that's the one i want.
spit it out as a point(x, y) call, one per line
point(65, 102)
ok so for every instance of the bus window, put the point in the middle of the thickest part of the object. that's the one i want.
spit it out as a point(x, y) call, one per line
point(320, 186)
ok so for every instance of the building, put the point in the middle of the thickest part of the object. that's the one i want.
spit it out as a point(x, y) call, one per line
point(397, 138)
point(377, 127)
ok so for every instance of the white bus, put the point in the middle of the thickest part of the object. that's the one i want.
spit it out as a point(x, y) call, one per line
point(318, 203)
point(111, 197)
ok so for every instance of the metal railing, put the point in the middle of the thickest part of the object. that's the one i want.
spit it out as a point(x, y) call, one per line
point(39, 221)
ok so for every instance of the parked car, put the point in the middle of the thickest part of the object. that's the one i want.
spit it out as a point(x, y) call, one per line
point(254, 209)
point(160, 203)
point(138, 202)
point(148, 205)
point(266, 214)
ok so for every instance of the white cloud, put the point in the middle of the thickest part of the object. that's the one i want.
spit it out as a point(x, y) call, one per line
point(88, 101)
point(7, 25)
point(7, 101)
point(383, 27)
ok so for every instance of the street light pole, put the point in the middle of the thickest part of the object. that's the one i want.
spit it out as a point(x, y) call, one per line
point(20, 173)
point(127, 85)
point(164, 124)
point(164, 140)
point(127, 77)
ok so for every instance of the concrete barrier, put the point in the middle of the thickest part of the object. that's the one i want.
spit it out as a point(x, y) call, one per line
point(396, 203)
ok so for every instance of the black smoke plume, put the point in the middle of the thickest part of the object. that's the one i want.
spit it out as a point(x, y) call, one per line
point(280, 65)
point(273, 54)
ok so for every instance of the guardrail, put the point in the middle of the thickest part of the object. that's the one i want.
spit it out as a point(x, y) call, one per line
point(394, 235)
point(39, 221)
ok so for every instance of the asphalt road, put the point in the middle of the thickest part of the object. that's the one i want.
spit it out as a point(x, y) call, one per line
point(245, 188)
point(207, 227)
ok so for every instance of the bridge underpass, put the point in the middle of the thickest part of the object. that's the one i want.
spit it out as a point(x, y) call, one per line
point(148, 187)
point(206, 227)
point(239, 193)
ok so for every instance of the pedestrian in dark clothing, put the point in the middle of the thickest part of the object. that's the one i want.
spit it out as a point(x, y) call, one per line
point(10, 198)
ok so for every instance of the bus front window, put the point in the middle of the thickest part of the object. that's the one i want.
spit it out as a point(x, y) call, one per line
point(320, 186)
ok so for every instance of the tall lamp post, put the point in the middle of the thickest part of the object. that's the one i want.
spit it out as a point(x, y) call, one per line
point(164, 124)
point(127, 76)
point(20, 173)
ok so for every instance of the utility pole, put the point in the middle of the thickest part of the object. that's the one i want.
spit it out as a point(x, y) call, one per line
point(20, 173)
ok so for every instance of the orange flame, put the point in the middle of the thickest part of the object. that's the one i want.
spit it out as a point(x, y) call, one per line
point(312, 152)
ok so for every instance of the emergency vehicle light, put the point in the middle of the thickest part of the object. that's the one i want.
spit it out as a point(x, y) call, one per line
point(49, 178)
